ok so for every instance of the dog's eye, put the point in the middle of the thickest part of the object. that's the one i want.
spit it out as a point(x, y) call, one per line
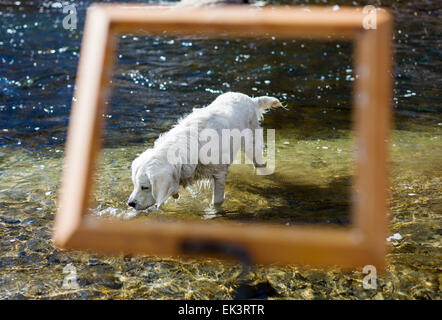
point(144, 188)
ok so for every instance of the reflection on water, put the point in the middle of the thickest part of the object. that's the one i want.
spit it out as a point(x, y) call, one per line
point(158, 80)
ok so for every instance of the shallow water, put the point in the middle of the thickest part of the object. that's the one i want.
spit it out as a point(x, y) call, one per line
point(157, 81)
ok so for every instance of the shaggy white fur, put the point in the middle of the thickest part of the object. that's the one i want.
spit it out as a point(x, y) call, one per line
point(156, 178)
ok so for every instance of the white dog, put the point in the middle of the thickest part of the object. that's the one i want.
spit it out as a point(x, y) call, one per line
point(156, 177)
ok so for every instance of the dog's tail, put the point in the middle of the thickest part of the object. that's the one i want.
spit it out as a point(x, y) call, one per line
point(265, 103)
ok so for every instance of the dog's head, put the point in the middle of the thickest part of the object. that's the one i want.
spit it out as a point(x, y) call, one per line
point(154, 181)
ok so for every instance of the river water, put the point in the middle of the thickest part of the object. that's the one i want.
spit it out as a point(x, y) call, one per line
point(156, 81)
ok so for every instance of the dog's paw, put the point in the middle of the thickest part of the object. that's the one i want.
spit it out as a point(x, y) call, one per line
point(213, 212)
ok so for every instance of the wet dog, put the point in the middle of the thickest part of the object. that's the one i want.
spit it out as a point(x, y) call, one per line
point(158, 172)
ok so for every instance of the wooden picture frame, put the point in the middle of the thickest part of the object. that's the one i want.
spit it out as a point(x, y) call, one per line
point(362, 243)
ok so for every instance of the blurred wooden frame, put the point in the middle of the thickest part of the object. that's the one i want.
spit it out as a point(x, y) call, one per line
point(363, 243)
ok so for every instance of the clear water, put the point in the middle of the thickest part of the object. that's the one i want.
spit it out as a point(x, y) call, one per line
point(157, 81)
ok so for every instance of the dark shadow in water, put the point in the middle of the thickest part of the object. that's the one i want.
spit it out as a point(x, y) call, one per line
point(300, 203)
point(262, 290)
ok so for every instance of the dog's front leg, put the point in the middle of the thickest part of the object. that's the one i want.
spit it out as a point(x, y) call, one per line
point(219, 182)
point(258, 149)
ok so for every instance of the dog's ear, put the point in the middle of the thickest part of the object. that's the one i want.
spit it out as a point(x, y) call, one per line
point(164, 184)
